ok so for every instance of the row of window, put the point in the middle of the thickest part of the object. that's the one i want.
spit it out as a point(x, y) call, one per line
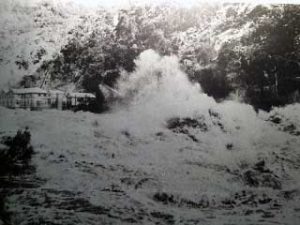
point(23, 103)
point(32, 95)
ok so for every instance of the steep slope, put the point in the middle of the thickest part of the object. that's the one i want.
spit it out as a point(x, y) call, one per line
point(33, 34)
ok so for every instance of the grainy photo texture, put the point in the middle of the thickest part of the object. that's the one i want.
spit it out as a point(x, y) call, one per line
point(149, 112)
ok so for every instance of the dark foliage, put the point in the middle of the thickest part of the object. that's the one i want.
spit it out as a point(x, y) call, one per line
point(269, 74)
point(213, 82)
point(22, 64)
point(15, 158)
point(28, 81)
point(260, 176)
point(4, 215)
point(182, 125)
point(92, 105)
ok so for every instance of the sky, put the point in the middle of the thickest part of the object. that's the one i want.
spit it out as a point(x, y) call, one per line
point(109, 3)
point(122, 3)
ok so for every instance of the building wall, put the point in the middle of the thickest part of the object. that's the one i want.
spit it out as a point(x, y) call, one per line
point(37, 101)
point(10, 100)
point(41, 100)
point(56, 100)
point(30, 100)
point(25, 101)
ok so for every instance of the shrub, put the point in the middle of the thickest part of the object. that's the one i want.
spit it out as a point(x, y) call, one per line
point(16, 155)
point(14, 160)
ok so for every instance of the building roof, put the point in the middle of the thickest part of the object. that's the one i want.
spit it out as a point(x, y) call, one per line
point(56, 92)
point(81, 95)
point(34, 90)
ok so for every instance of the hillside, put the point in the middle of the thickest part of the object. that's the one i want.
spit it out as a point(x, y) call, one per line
point(34, 34)
point(217, 163)
point(220, 46)
point(170, 147)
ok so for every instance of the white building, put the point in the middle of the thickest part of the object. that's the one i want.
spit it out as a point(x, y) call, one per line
point(56, 99)
point(27, 98)
point(37, 98)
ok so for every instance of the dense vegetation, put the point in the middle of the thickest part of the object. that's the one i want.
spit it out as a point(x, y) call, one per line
point(270, 73)
point(261, 65)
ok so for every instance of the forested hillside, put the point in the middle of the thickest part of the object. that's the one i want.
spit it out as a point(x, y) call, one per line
point(242, 51)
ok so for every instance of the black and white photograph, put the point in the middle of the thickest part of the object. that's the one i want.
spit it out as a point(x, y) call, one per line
point(162, 112)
